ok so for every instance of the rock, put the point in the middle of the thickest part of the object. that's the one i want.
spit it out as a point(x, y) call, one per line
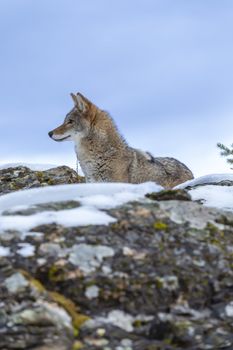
point(159, 277)
point(179, 195)
point(18, 178)
point(29, 318)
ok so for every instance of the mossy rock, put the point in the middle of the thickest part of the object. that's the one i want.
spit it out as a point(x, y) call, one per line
point(160, 226)
point(167, 195)
point(77, 318)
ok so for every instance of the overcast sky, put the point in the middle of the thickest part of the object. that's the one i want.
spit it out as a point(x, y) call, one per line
point(162, 68)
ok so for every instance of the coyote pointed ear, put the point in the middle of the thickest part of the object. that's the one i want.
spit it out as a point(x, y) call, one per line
point(80, 102)
point(74, 98)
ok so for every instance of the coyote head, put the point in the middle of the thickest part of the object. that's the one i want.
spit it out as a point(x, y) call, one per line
point(77, 122)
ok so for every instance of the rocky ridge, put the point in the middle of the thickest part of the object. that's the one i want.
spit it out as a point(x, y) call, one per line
point(159, 277)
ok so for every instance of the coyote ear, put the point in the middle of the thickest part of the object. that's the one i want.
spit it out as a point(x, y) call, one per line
point(74, 98)
point(79, 101)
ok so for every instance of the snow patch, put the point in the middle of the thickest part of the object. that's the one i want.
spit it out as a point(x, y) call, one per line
point(72, 217)
point(206, 179)
point(93, 198)
point(229, 309)
point(4, 251)
point(214, 196)
point(26, 250)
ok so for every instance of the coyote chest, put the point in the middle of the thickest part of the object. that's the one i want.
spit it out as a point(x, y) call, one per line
point(93, 166)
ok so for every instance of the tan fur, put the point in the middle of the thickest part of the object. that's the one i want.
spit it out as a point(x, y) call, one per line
point(103, 154)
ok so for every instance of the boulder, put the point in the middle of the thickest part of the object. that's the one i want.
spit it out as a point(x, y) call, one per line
point(21, 177)
point(159, 277)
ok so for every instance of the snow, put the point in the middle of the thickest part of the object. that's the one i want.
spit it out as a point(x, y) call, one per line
point(214, 196)
point(26, 250)
point(229, 309)
point(92, 292)
point(35, 167)
point(71, 217)
point(211, 195)
point(207, 179)
point(92, 197)
point(4, 251)
point(120, 192)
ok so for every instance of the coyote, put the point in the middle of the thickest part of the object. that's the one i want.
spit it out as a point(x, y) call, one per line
point(105, 156)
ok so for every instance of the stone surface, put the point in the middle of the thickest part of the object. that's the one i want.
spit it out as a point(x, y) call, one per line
point(180, 195)
point(18, 178)
point(160, 277)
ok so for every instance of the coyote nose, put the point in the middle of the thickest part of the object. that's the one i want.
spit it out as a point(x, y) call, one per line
point(50, 134)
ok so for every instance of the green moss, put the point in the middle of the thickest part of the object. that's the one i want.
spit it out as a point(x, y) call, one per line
point(160, 226)
point(33, 281)
point(39, 174)
point(70, 307)
point(224, 221)
point(212, 228)
point(50, 182)
point(56, 274)
point(167, 341)
point(166, 195)
point(159, 283)
point(137, 323)
point(77, 345)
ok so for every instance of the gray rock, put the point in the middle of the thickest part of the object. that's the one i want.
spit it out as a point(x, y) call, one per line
point(18, 178)
point(29, 318)
point(89, 257)
point(160, 277)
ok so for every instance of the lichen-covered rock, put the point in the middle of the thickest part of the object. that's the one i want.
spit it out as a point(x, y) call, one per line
point(166, 195)
point(29, 316)
point(21, 177)
point(159, 277)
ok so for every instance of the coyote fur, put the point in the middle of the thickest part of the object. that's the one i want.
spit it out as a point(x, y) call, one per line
point(105, 156)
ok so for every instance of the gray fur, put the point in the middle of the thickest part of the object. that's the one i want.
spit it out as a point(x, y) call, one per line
point(104, 155)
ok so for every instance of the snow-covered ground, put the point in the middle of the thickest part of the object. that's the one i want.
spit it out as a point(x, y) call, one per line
point(207, 179)
point(92, 197)
point(214, 196)
point(211, 195)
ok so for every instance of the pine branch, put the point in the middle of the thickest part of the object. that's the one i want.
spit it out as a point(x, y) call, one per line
point(226, 151)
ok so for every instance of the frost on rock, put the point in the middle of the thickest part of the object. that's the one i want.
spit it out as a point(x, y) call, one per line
point(89, 257)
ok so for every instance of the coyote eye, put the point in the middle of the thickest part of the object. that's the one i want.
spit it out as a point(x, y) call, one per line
point(70, 121)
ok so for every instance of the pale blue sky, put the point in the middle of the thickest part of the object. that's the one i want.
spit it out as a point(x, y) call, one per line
point(162, 68)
